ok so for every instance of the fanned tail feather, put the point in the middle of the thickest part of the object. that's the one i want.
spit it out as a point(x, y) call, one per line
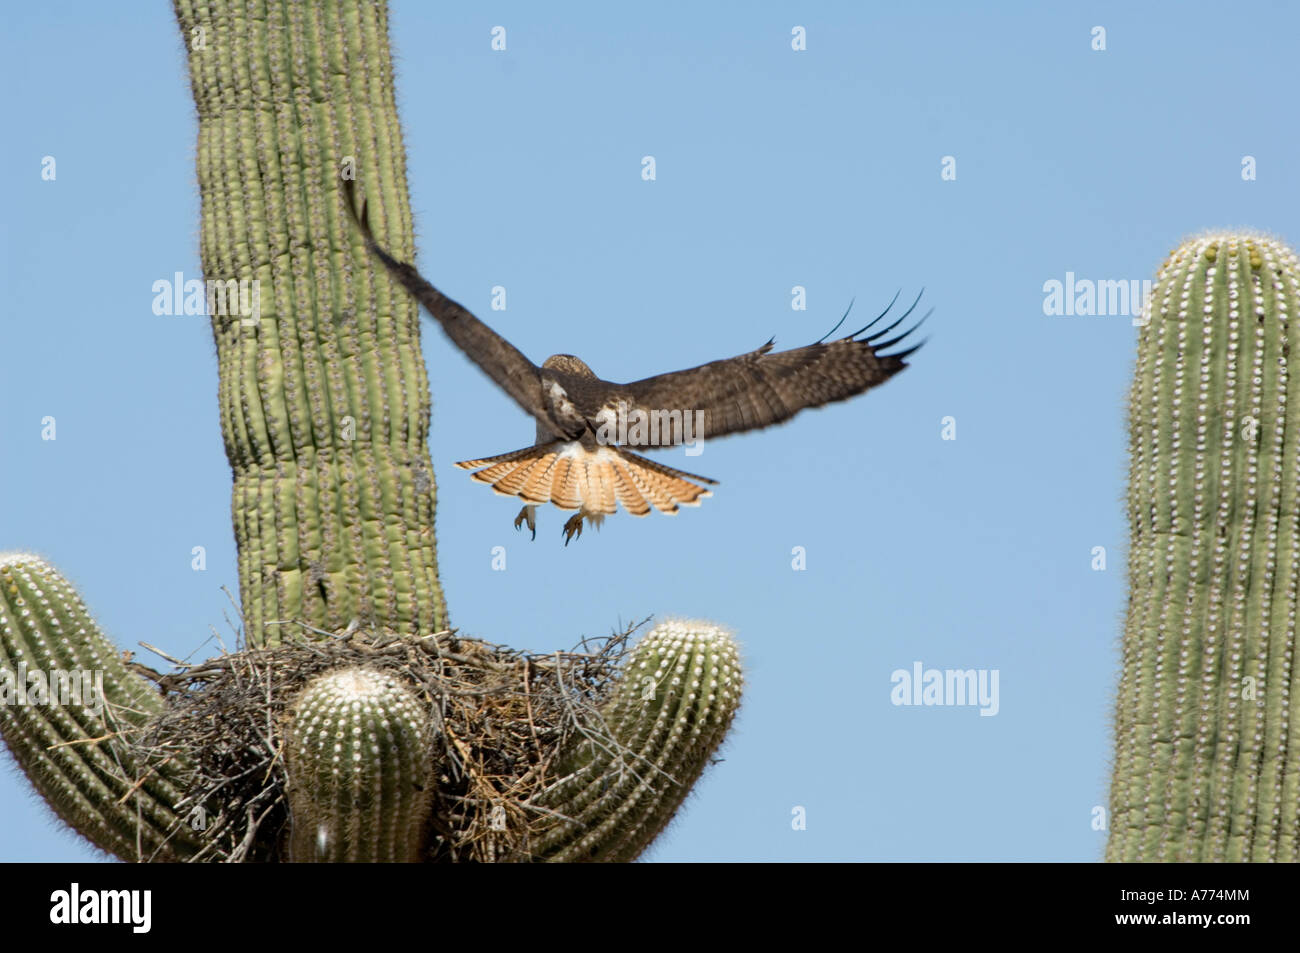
point(664, 487)
point(565, 492)
point(571, 477)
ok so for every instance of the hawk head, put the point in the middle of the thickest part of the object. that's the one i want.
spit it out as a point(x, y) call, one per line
point(568, 364)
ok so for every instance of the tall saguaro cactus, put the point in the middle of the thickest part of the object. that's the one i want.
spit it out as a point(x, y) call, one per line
point(324, 398)
point(324, 408)
point(1208, 711)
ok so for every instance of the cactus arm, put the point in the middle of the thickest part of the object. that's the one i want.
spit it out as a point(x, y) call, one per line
point(1207, 704)
point(665, 720)
point(73, 753)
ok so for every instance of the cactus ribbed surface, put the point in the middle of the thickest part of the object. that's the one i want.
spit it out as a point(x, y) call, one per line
point(73, 753)
point(679, 692)
point(361, 761)
point(324, 399)
point(1208, 710)
point(324, 409)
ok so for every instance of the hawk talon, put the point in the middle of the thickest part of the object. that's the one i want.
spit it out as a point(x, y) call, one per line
point(528, 513)
point(573, 528)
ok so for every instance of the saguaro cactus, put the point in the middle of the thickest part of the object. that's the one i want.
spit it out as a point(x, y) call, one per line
point(324, 398)
point(1208, 711)
point(324, 408)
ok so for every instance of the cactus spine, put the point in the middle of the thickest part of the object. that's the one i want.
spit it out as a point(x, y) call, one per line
point(1207, 706)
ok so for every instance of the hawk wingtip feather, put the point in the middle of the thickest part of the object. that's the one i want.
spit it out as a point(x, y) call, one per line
point(844, 317)
point(910, 351)
point(872, 323)
point(880, 346)
point(883, 331)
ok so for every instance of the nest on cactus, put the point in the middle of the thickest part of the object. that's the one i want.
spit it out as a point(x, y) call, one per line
point(500, 718)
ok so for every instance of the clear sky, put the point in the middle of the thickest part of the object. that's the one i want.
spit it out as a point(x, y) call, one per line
point(821, 168)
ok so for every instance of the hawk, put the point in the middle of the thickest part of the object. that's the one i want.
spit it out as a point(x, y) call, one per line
point(581, 460)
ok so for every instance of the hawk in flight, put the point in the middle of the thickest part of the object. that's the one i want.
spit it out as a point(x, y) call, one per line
point(581, 458)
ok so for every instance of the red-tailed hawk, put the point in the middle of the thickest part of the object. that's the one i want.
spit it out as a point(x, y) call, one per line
point(585, 425)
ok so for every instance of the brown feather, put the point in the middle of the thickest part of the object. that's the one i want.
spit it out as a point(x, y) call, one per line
point(607, 485)
point(537, 488)
point(564, 489)
point(512, 483)
point(764, 387)
point(632, 499)
point(499, 458)
point(648, 482)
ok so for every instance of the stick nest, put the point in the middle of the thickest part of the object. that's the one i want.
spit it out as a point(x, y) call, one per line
point(500, 717)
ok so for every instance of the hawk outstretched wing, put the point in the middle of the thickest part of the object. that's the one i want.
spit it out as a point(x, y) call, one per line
point(735, 394)
point(764, 387)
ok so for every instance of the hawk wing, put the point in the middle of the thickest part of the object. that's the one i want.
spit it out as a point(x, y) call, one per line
point(763, 388)
point(497, 357)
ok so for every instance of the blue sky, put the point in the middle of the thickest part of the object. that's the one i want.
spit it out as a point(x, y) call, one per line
point(775, 168)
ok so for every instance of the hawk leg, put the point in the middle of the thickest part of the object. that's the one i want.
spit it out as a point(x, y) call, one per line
point(528, 514)
point(573, 528)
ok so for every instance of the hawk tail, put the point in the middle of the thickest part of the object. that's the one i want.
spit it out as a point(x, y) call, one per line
point(572, 477)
